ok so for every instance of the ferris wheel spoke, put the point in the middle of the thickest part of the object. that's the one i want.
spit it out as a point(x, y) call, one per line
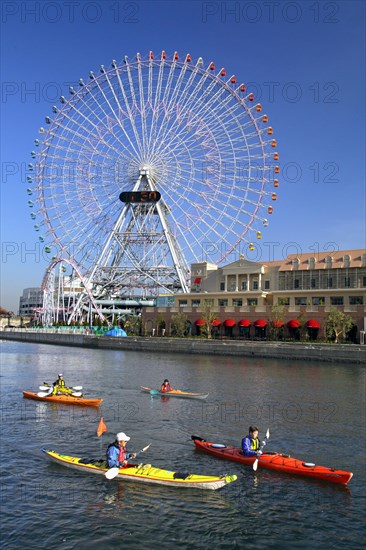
point(96, 137)
point(120, 111)
point(110, 124)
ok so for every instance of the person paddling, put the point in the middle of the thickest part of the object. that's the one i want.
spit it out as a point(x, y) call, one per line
point(251, 443)
point(117, 454)
point(165, 387)
point(59, 385)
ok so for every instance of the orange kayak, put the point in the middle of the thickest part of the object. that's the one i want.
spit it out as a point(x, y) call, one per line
point(274, 461)
point(64, 399)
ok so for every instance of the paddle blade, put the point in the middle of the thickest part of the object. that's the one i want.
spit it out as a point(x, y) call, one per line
point(43, 394)
point(112, 473)
point(255, 464)
point(77, 388)
point(145, 448)
point(267, 434)
point(44, 388)
point(76, 394)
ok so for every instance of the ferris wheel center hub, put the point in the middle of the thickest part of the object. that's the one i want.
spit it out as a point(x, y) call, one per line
point(144, 170)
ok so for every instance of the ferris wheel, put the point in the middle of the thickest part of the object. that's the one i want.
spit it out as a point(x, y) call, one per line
point(151, 165)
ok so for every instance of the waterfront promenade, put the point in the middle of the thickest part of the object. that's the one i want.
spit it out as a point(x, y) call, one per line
point(300, 351)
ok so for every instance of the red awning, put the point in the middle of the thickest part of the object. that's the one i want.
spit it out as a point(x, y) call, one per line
point(277, 324)
point(244, 323)
point(312, 323)
point(200, 323)
point(197, 280)
point(260, 323)
point(294, 323)
point(229, 323)
point(216, 323)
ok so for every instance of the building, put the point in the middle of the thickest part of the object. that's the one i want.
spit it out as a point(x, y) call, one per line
point(31, 299)
point(243, 293)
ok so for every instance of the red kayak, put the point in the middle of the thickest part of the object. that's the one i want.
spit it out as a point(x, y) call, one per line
point(274, 461)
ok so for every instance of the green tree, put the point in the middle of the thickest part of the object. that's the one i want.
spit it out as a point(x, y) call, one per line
point(337, 324)
point(277, 320)
point(179, 324)
point(208, 315)
point(160, 323)
point(132, 325)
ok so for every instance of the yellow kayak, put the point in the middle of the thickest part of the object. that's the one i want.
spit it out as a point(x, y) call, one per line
point(143, 473)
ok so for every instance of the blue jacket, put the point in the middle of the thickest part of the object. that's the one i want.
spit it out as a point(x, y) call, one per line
point(246, 445)
point(113, 454)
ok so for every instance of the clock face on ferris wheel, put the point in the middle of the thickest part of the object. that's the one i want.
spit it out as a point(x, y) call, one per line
point(208, 149)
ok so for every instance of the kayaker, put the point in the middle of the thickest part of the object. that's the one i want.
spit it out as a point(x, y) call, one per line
point(251, 443)
point(117, 454)
point(166, 386)
point(58, 385)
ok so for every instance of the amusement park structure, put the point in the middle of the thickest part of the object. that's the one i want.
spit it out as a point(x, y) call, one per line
point(151, 165)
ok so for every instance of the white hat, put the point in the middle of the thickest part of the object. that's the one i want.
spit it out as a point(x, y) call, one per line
point(121, 436)
point(60, 374)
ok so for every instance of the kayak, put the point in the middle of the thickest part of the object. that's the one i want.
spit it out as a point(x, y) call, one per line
point(144, 473)
point(274, 461)
point(64, 399)
point(175, 393)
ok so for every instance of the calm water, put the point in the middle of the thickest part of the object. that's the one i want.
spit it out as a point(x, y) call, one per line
point(315, 412)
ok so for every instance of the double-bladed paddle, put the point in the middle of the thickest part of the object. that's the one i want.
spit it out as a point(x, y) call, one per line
point(255, 463)
point(113, 472)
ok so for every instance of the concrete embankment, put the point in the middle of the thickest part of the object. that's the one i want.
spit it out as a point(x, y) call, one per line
point(301, 351)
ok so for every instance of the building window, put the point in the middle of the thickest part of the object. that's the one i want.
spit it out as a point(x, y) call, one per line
point(209, 302)
point(300, 301)
point(330, 282)
point(346, 260)
point(347, 282)
point(237, 302)
point(336, 300)
point(363, 281)
point(252, 301)
point(312, 283)
point(312, 263)
point(255, 285)
point(356, 300)
point(295, 263)
point(297, 283)
point(222, 286)
point(196, 303)
point(283, 301)
point(318, 301)
point(267, 285)
point(223, 303)
point(244, 285)
point(182, 303)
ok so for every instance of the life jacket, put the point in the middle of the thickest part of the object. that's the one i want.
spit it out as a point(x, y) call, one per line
point(166, 388)
point(254, 444)
point(121, 451)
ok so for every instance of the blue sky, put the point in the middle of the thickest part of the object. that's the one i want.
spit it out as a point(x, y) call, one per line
point(303, 60)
